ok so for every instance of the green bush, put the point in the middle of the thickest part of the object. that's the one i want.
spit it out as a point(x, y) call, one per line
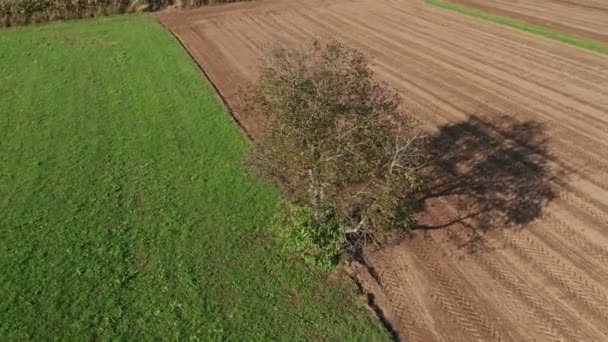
point(319, 244)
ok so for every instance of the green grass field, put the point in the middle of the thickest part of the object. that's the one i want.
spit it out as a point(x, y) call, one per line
point(571, 39)
point(126, 209)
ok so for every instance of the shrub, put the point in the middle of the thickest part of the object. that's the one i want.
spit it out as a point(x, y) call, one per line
point(319, 244)
point(337, 141)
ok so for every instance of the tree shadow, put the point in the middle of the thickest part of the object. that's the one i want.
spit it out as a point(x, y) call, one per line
point(488, 174)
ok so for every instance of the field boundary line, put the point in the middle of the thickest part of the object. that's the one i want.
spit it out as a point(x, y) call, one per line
point(567, 38)
point(214, 89)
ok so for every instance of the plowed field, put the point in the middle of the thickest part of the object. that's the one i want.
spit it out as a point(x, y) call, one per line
point(513, 238)
point(586, 18)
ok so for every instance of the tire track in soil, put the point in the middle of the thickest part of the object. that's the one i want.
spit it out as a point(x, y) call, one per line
point(551, 325)
point(503, 271)
point(579, 241)
point(573, 282)
point(407, 308)
point(448, 293)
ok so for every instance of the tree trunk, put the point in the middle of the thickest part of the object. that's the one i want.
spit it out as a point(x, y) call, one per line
point(316, 197)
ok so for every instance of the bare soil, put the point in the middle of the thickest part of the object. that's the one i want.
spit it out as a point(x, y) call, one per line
point(585, 18)
point(513, 235)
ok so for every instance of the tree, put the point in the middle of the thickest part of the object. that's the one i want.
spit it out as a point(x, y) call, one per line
point(337, 141)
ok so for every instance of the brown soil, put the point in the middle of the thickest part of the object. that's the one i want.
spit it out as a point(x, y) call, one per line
point(585, 18)
point(513, 238)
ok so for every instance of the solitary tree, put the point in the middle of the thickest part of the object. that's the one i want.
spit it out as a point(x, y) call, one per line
point(336, 140)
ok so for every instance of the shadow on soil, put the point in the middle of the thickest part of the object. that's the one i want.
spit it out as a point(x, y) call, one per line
point(496, 174)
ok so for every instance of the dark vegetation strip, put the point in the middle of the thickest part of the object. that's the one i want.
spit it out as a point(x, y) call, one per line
point(524, 26)
point(23, 12)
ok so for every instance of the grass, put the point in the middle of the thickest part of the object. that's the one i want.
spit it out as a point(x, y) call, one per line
point(524, 26)
point(127, 213)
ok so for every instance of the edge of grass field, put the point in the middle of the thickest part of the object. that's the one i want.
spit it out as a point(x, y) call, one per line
point(214, 88)
point(581, 42)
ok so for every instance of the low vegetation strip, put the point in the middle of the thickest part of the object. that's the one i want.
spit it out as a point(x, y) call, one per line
point(580, 18)
point(524, 26)
point(19, 12)
point(127, 211)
